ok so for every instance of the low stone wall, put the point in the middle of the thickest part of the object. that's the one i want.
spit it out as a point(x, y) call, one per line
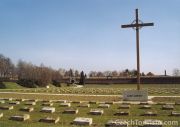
point(144, 80)
point(123, 80)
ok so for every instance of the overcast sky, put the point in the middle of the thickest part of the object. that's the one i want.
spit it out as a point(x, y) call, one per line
point(87, 34)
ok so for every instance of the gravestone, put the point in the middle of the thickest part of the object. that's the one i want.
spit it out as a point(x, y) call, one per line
point(93, 102)
point(27, 109)
point(124, 106)
point(117, 123)
point(86, 105)
point(33, 100)
point(175, 113)
point(77, 102)
point(61, 101)
point(47, 101)
point(149, 113)
point(103, 106)
point(20, 117)
point(48, 109)
point(96, 111)
point(152, 123)
point(167, 107)
point(2, 101)
point(110, 102)
point(8, 99)
point(30, 103)
point(47, 104)
point(71, 111)
point(20, 99)
point(14, 102)
point(143, 103)
point(145, 107)
point(82, 121)
point(6, 107)
point(170, 103)
point(65, 104)
point(49, 120)
point(125, 103)
point(177, 103)
point(122, 113)
point(1, 115)
point(161, 103)
point(101, 102)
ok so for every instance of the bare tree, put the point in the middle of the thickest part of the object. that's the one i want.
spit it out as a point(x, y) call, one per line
point(176, 72)
point(92, 74)
point(76, 73)
point(6, 67)
point(114, 73)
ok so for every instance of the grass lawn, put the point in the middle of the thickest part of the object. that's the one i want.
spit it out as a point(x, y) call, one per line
point(94, 89)
point(66, 119)
point(98, 121)
point(11, 85)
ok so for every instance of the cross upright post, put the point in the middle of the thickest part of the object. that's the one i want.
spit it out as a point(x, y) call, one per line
point(137, 24)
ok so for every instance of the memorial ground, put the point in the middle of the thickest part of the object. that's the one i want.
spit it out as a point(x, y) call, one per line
point(94, 95)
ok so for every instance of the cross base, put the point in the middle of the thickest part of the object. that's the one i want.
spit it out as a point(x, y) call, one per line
point(135, 95)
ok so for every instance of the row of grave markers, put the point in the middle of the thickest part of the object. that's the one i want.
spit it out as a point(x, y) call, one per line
point(97, 111)
point(82, 120)
point(88, 121)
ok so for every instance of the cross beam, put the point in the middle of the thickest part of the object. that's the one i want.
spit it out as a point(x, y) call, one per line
point(137, 25)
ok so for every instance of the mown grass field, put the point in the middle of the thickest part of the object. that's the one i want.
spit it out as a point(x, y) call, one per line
point(93, 89)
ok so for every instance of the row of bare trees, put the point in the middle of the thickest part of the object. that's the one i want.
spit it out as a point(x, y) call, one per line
point(124, 73)
point(32, 75)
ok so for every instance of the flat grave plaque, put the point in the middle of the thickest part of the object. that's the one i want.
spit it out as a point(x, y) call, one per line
point(124, 106)
point(14, 102)
point(167, 107)
point(65, 104)
point(27, 109)
point(175, 113)
point(30, 103)
point(20, 117)
point(47, 104)
point(149, 113)
point(82, 121)
point(122, 113)
point(1, 115)
point(2, 101)
point(6, 107)
point(61, 101)
point(103, 106)
point(21, 99)
point(152, 123)
point(85, 105)
point(117, 123)
point(48, 109)
point(96, 111)
point(71, 111)
point(49, 120)
point(145, 107)
point(93, 102)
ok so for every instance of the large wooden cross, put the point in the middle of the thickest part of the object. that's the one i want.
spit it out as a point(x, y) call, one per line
point(137, 24)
